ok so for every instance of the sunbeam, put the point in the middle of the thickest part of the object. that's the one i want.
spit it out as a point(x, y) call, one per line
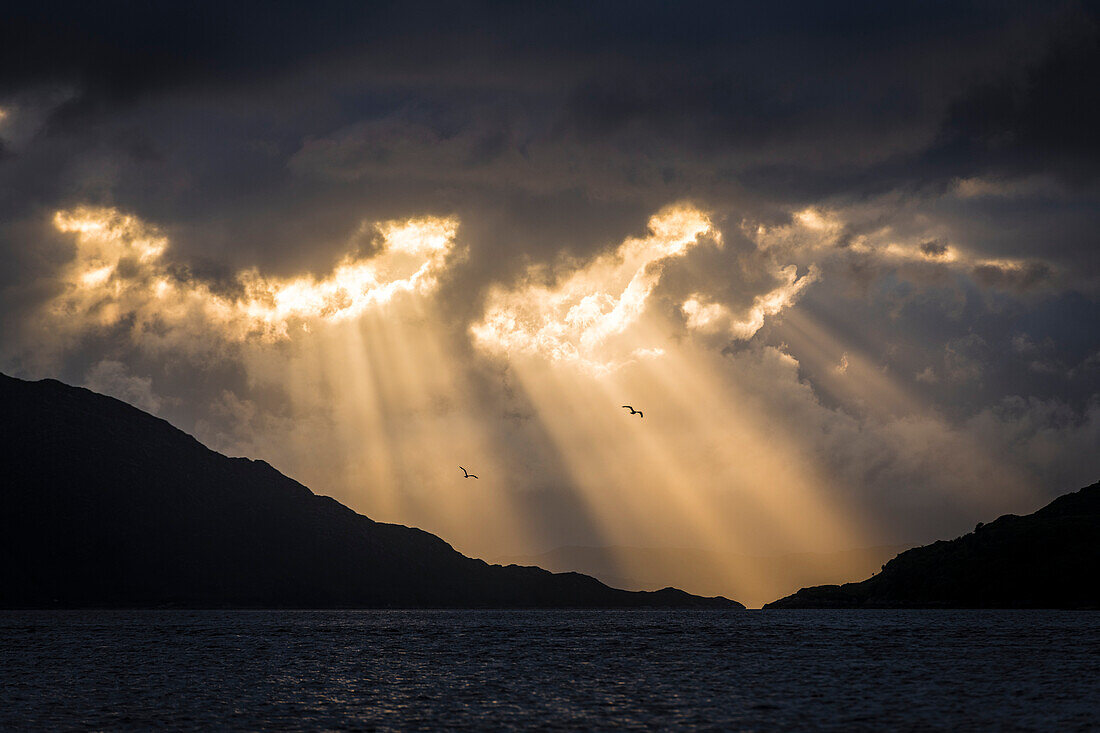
point(361, 384)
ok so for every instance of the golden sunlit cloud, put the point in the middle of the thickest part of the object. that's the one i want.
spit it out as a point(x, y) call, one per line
point(119, 272)
point(703, 316)
point(818, 234)
point(573, 320)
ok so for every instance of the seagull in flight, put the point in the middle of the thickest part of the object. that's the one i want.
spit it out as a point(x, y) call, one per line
point(633, 411)
point(467, 474)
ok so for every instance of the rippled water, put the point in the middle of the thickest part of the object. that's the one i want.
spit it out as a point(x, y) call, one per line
point(753, 670)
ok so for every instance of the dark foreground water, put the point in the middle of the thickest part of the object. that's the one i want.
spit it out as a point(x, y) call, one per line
point(839, 670)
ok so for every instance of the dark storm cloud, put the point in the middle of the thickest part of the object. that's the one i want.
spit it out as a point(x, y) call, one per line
point(116, 51)
point(1043, 119)
point(250, 127)
point(854, 83)
point(247, 129)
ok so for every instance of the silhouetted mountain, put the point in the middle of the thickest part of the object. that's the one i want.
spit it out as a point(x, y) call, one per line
point(1048, 559)
point(754, 579)
point(104, 505)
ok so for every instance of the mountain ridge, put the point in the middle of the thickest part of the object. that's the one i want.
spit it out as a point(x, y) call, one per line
point(107, 505)
point(1038, 560)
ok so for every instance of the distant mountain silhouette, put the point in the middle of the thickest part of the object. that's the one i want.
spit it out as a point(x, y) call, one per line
point(102, 504)
point(711, 573)
point(1048, 559)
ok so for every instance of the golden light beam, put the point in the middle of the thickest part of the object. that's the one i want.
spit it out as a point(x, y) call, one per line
point(669, 476)
point(892, 406)
point(382, 409)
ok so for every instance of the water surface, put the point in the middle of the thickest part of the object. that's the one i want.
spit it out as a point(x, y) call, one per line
point(829, 670)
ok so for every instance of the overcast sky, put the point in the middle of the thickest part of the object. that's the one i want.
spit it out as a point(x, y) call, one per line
point(844, 256)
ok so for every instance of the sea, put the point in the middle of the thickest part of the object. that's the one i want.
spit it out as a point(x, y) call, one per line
point(565, 670)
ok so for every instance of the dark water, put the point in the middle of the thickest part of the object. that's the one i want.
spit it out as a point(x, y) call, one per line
point(899, 670)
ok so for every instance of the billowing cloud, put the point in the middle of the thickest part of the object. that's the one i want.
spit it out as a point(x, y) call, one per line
point(573, 319)
point(907, 243)
point(704, 316)
point(120, 275)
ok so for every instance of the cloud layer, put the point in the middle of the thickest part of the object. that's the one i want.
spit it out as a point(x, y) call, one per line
point(362, 240)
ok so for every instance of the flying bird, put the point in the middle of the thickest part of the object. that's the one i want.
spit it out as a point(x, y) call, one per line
point(633, 411)
point(467, 474)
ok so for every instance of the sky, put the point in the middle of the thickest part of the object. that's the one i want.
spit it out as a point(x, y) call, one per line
point(843, 257)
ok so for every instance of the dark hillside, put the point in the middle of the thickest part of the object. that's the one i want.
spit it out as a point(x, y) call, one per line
point(1048, 559)
point(105, 505)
